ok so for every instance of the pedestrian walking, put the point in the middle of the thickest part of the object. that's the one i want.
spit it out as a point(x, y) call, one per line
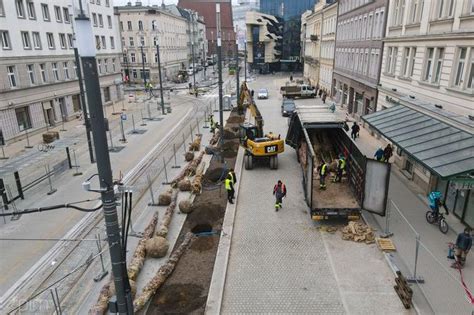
point(341, 166)
point(320, 92)
point(279, 191)
point(355, 130)
point(229, 186)
point(323, 170)
point(462, 247)
point(379, 154)
point(291, 78)
point(387, 153)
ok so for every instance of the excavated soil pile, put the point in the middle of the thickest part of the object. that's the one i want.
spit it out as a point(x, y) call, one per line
point(180, 299)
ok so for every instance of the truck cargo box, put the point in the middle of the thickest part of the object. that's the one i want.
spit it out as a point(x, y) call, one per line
point(316, 133)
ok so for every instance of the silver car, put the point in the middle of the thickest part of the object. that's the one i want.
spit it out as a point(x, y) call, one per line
point(262, 93)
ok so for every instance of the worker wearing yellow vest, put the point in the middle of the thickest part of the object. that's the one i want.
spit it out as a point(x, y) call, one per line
point(279, 190)
point(229, 186)
point(323, 171)
point(341, 166)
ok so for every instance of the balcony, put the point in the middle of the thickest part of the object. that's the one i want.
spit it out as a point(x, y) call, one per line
point(314, 38)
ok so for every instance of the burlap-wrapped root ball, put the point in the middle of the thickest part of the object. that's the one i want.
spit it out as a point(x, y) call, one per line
point(162, 231)
point(189, 156)
point(157, 247)
point(165, 198)
point(133, 286)
point(185, 206)
point(184, 185)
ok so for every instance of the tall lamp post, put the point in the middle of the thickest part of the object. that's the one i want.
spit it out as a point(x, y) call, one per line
point(219, 69)
point(143, 65)
point(192, 50)
point(124, 303)
point(82, 96)
point(245, 59)
point(159, 74)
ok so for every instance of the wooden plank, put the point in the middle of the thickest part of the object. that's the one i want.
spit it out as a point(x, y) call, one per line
point(385, 244)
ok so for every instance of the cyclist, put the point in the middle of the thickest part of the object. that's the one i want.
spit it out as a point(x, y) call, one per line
point(434, 199)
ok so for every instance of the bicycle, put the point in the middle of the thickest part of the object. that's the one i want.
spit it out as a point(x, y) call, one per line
point(441, 221)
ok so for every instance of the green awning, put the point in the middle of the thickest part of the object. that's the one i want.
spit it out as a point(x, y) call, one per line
point(442, 148)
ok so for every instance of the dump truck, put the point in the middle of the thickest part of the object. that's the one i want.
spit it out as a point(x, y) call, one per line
point(297, 90)
point(317, 134)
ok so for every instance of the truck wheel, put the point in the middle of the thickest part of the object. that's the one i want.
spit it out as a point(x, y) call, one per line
point(248, 162)
point(275, 162)
point(271, 162)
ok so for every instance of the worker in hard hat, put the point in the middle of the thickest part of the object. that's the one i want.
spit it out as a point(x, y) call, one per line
point(323, 170)
point(229, 186)
point(341, 166)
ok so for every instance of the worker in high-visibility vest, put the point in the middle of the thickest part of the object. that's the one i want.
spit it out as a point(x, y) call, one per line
point(229, 186)
point(232, 176)
point(341, 166)
point(323, 171)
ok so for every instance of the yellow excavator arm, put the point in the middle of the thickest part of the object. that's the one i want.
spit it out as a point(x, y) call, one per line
point(246, 101)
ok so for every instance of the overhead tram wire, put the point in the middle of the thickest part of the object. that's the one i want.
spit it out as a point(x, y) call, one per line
point(54, 207)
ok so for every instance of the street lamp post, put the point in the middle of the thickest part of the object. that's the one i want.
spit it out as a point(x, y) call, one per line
point(87, 52)
point(143, 65)
point(245, 59)
point(237, 68)
point(159, 74)
point(219, 69)
point(192, 51)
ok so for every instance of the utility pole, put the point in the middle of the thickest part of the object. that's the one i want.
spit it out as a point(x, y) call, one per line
point(237, 67)
point(87, 51)
point(161, 83)
point(83, 99)
point(245, 59)
point(192, 50)
point(125, 58)
point(204, 59)
point(143, 66)
point(219, 69)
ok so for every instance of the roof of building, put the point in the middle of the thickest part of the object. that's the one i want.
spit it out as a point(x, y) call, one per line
point(444, 148)
point(319, 116)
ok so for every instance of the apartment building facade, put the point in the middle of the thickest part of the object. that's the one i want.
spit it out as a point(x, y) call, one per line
point(318, 43)
point(358, 56)
point(144, 27)
point(428, 66)
point(38, 82)
point(311, 43)
point(328, 45)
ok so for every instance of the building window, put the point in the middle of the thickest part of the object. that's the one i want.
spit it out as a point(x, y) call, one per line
point(2, 9)
point(144, 58)
point(416, 10)
point(113, 65)
point(464, 68)
point(45, 11)
point(66, 15)
point(471, 9)
point(70, 40)
point(445, 9)
point(121, 26)
point(131, 41)
point(66, 70)
point(129, 25)
point(109, 21)
point(140, 25)
point(97, 2)
point(54, 66)
point(36, 40)
point(94, 19)
point(50, 39)
point(106, 67)
point(107, 94)
point(30, 6)
point(433, 64)
point(142, 41)
point(12, 76)
point(44, 78)
point(57, 13)
point(97, 41)
point(133, 57)
point(104, 42)
point(62, 41)
point(398, 12)
point(101, 21)
point(408, 62)
point(23, 118)
point(112, 42)
point(25, 38)
point(107, 3)
point(392, 53)
point(30, 69)
point(153, 25)
point(20, 9)
point(5, 40)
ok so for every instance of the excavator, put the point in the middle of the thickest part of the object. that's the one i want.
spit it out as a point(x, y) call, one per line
point(258, 146)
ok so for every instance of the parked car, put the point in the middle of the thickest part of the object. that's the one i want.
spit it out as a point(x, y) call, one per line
point(262, 93)
point(288, 107)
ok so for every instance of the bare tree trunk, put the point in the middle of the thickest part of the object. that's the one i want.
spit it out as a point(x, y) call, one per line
point(197, 181)
point(163, 273)
point(163, 229)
